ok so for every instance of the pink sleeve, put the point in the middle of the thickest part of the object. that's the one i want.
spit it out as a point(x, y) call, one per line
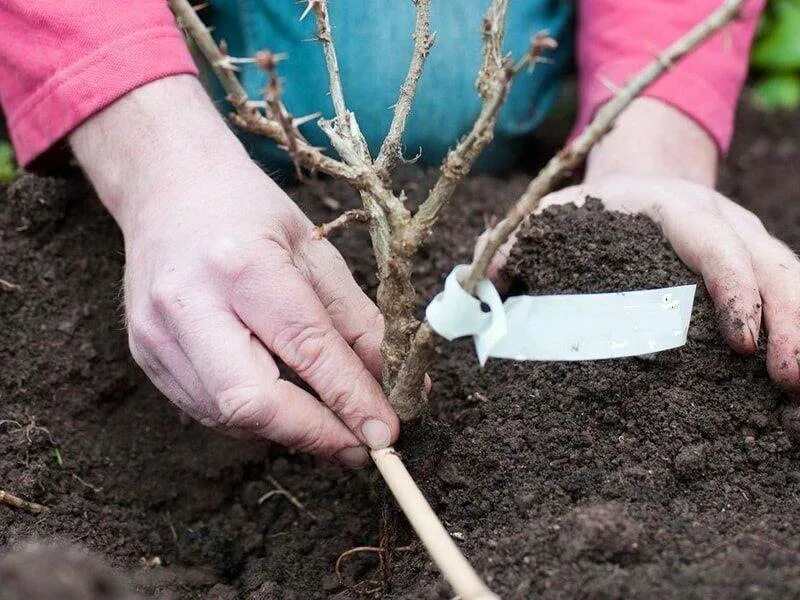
point(63, 60)
point(616, 38)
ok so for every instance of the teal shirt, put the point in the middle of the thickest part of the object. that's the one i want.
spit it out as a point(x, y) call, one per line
point(374, 46)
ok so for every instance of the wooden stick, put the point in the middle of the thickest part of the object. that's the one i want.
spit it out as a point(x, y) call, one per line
point(563, 163)
point(17, 502)
point(441, 547)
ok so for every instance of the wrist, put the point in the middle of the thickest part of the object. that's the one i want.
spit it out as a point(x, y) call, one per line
point(153, 142)
point(652, 138)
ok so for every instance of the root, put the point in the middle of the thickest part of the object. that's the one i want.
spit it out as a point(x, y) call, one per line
point(382, 556)
point(282, 491)
point(7, 285)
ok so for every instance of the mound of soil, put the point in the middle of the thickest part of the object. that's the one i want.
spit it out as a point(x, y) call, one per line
point(670, 477)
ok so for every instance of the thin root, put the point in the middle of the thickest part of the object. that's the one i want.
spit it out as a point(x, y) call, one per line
point(7, 285)
point(381, 552)
point(282, 491)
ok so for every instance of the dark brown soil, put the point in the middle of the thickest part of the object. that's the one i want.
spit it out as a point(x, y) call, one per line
point(671, 477)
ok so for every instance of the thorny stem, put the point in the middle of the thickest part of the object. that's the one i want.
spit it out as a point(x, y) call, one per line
point(569, 158)
point(246, 116)
point(391, 149)
point(459, 161)
point(320, 8)
point(494, 32)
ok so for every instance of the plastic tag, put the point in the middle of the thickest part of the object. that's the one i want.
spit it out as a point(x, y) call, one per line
point(563, 327)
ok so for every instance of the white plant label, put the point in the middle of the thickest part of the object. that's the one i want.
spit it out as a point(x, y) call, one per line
point(562, 327)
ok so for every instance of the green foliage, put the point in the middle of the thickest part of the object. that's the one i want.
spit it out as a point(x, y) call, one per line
point(780, 90)
point(776, 56)
point(8, 168)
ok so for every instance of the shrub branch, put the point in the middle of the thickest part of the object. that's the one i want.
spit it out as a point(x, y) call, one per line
point(572, 156)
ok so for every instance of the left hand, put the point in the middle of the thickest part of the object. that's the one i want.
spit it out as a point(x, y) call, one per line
point(659, 163)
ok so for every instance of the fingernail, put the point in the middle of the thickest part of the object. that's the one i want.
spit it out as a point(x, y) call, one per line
point(751, 325)
point(376, 434)
point(354, 457)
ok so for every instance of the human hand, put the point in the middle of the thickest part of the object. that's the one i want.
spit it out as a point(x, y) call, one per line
point(222, 272)
point(753, 278)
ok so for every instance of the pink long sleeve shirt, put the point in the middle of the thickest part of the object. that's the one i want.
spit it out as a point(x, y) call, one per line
point(61, 61)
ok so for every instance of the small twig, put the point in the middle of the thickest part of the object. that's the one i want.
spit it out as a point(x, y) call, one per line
point(357, 215)
point(7, 285)
point(268, 62)
point(568, 159)
point(94, 488)
point(17, 502)
point(282, 491)
point(391, 149)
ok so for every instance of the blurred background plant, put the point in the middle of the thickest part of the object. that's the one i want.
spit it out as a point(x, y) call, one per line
point(8, 167)
point(775, 59)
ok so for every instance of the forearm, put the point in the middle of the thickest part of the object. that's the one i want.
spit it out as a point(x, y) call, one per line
point(653, 138)
point(151, 141)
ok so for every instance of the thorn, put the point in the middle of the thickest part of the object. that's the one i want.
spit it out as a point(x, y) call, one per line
point(298, 121)
point(608, 84)
point(201, 6)
point(308, 8)
point(226, 64)
point(269, 60)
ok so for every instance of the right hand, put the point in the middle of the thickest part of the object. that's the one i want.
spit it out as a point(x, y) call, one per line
point(222, 272)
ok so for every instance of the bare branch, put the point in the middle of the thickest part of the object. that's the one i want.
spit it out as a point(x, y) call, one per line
point(356, 215)
point(563, 163)
point(277, 110)
point(320, 8)
point(391, 149)
point(494, 32)
point(247, 116)
point(459, 160)
point(194, 26)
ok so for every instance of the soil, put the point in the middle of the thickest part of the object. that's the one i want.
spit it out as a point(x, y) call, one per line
point(669, 477)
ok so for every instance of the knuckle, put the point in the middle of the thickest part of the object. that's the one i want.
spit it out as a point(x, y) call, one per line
point(305, 345)
point(245, 407)
point(224, 256)
point(313, 439)
point(144, 334)
point(375, 328)
point(167, 296)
